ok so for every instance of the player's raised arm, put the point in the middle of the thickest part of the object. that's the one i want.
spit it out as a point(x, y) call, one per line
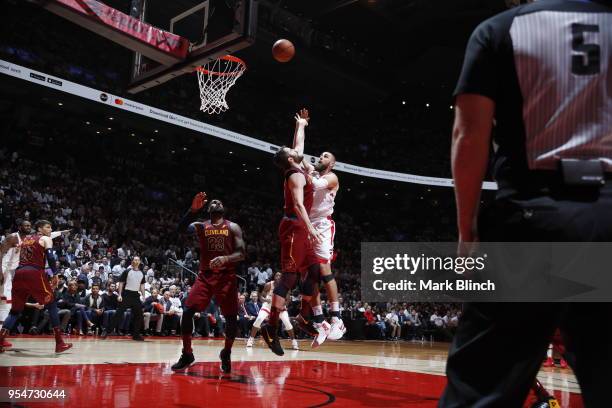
point(296, 183)
point(186, 226)
point(299, 137)
point(239, 249)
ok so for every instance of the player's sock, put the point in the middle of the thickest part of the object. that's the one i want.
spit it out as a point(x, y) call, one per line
point(186, 330)
point(549, 353)
point(335, 310)
point(3, 333)
point(58, 335)
point(317, 311)
point(231, 329)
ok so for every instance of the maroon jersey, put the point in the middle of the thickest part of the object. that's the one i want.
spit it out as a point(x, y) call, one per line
point(32, 253)
point(214, 241)
point(308, 193)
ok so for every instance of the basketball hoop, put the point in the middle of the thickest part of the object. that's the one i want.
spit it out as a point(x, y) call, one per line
point(215, 79)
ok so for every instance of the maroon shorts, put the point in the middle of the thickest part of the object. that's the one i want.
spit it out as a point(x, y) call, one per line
point(30, 282)
point(222, 285)
point(297, 252)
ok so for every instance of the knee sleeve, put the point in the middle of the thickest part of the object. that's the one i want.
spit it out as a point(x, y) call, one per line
point(231, 326)
point(287, 282)
point(327, 278)
point(284, 316)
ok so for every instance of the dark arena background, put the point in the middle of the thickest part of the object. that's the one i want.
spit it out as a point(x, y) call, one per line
point(103, 134)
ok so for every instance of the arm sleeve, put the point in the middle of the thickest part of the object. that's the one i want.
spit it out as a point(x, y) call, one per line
point(320, 183)
point(51, 260)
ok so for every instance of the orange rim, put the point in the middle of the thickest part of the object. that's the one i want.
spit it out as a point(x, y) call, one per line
point(230, 58)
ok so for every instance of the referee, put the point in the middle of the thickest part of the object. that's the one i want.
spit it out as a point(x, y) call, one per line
point(541, 72)
point(131, 286)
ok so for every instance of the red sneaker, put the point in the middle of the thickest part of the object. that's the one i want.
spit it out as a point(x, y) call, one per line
point(549, 362)
point(61, 347)
point(6, 344)
point(563, 363)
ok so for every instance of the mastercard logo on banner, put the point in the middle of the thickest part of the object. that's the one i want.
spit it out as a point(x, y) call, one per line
point(118, 101)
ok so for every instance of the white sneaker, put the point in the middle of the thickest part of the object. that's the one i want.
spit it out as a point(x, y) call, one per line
point(250, 342)
point(337, 329)
point(294, 344)
point(324, 329)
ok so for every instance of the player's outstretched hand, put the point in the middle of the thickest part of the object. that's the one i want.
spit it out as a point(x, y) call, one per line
point(302, 117)
point(199, 201)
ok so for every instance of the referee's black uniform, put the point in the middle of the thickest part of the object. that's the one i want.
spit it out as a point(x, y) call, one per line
point(546, 65)
point(132, 279)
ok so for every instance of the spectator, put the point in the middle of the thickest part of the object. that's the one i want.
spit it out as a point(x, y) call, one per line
point(94, 303)
point(110, 301)
point(153, 312)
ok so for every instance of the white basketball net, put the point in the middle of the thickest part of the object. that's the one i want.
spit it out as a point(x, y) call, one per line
point(215, 79)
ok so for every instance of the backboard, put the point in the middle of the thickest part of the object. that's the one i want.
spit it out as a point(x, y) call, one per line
point(213, 27)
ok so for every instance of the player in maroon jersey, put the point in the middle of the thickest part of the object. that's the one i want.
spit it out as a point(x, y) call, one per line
point(295, 234)
point(31, 280)
point(221, 248)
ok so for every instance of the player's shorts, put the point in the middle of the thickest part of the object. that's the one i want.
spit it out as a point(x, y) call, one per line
point(222, 285)
point(8, 270)
point(30, 282)
point(297, 252)
point(324, 251)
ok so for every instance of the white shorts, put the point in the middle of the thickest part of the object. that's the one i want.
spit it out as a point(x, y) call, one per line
point(327, 228)
point(5, 289)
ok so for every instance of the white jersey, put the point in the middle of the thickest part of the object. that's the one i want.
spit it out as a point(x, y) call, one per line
point(323, 202)
point(11, 258)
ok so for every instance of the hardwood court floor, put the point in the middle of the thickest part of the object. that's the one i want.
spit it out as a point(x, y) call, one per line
point(118, 372)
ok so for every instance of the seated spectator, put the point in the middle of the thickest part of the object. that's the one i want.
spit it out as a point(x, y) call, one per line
point(72, 301)
point(97, 278)
point(211, 321)
point(82, 288)
point(394, 328)
point(436, 320)
point(110, 305)
point(94, 302)
point(172, 314)
point(153, 312)
point(245, 320)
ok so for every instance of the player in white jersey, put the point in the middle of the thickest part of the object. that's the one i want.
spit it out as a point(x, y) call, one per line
point(264, 312)
point(326, 186)
point(10, 262)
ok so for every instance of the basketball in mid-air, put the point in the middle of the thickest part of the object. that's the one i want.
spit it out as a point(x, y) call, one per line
point(283, 50)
